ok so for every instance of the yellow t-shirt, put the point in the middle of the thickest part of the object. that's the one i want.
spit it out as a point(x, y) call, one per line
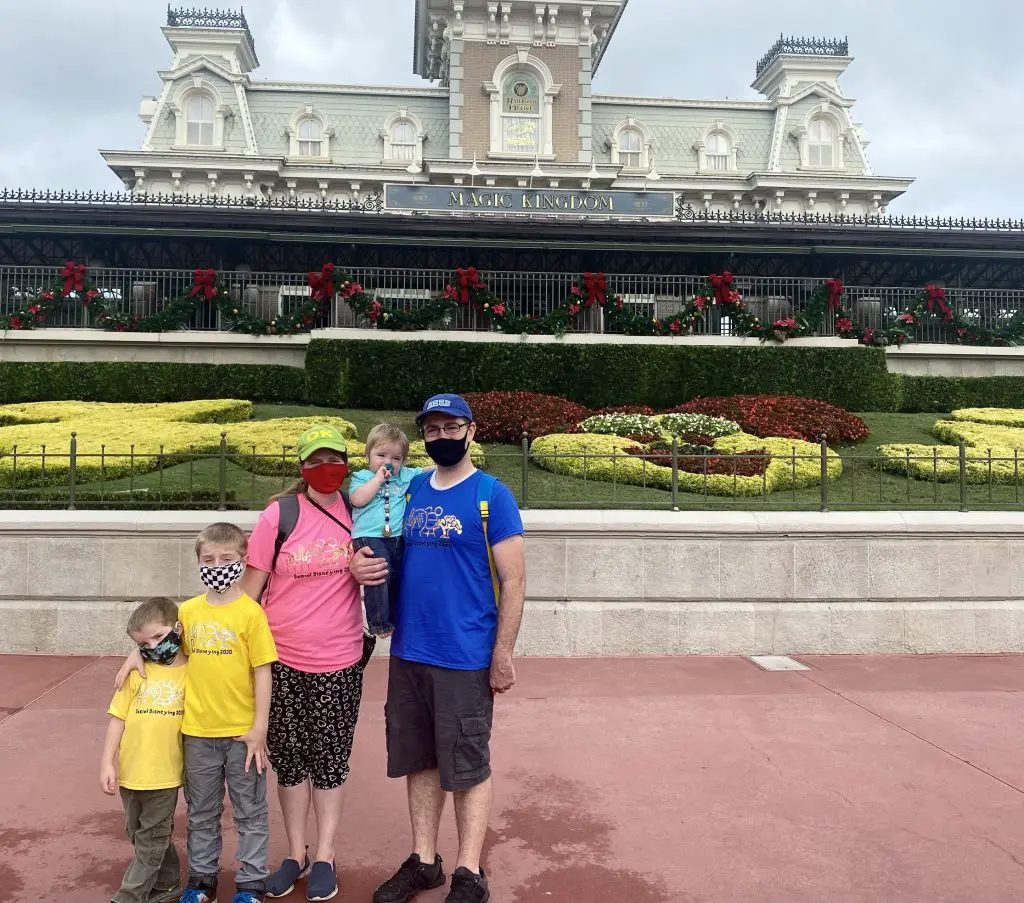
point(151, 708)
point(224, 643)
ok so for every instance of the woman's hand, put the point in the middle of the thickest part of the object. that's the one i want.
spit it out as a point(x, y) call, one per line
point(133, 661)
point(367, 570)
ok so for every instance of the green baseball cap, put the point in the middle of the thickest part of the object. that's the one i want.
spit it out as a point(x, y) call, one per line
point(321, 436)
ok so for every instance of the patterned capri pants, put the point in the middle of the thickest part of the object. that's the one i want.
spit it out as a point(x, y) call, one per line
point(312, 723)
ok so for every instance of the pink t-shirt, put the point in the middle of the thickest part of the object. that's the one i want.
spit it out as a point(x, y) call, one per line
point(312, 600)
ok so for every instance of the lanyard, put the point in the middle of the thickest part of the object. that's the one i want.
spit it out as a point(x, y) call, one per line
point(327, 513)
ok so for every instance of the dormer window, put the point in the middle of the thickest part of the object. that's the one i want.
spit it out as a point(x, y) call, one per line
point(821, 142)
point(199, 120)
point(630, 145)
point(717, 152)
point(311, 135)
point(403, 138)
point(717, 148)
point(522, 93)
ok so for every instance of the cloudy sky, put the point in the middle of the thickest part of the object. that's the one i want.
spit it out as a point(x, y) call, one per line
point(938, 83)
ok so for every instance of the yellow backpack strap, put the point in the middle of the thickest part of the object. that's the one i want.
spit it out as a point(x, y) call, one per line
point(484, 488)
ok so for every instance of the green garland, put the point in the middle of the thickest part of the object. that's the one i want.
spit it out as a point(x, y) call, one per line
point(468, 290)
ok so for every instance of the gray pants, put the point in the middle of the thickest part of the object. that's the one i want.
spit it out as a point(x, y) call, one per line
point(210, 763)
point(149, 821)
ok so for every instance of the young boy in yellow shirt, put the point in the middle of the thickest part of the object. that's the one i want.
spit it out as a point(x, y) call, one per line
point(142, 754)
point(227, 706)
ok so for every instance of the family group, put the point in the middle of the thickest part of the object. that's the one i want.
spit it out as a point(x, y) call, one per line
point(265, 669)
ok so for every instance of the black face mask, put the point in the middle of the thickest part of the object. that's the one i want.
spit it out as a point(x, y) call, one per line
point(164, 652)
point(446, 452)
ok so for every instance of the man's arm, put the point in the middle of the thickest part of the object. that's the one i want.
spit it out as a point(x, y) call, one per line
point(510, 562)
point(108, 761)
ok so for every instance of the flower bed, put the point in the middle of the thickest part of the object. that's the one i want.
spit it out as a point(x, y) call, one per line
point(505, 416)
point(795, 464)
point(786, 416)
point(681, 425)
point(750, 463)
point(941, 463)
point(979, 435)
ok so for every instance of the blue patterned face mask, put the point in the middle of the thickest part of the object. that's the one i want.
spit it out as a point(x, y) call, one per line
point(164, 652)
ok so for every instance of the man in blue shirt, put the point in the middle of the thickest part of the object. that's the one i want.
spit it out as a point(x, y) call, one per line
point(456, 621)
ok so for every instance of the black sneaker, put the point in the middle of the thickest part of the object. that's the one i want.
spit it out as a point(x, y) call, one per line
point(409, 880)
point(468, 888)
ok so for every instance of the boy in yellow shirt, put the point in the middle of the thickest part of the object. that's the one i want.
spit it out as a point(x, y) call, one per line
point(142, 753)
point(227, 706)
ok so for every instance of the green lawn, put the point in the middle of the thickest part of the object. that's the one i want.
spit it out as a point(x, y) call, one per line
point(862, 485)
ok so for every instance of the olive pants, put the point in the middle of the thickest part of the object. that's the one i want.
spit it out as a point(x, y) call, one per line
point(149, 820)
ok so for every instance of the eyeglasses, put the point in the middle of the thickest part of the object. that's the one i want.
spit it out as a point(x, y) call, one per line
point(448, 430)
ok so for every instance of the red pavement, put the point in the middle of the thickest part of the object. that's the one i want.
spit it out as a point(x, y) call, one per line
point(685, 780)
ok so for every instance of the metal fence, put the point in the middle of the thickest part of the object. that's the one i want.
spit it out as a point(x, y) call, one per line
point(676, 478)
point(145, 292)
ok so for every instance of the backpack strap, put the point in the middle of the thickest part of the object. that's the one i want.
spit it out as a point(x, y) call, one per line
point(484, 489)
point(414, 486)
point(288, 517)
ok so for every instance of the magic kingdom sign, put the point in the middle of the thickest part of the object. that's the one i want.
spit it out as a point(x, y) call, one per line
point(545, 201)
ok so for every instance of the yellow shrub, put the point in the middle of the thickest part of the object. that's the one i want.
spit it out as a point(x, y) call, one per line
point(979, 435)
point(942, 463)
point(114, 440)
point(600, 457)
point(1000, 416)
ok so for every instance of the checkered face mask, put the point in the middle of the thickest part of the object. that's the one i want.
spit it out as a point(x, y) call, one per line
point(223, 577)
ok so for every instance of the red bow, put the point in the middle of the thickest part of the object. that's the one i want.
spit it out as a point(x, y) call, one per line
point(468, 279)
point(204, 284)
point(722, 286)
point(835, 293)
point(322, 284)
point(73, 275)
point(937, 299)
point(594, 285)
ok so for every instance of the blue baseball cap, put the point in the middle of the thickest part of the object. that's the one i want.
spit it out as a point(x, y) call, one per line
point(452, 405)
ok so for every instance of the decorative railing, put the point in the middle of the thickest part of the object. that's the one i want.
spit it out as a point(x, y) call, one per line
point(803, 47)
point(373, 202)
point(144, 292)
point(207, 18)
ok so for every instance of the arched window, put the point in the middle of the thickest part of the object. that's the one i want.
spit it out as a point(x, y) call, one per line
point(311, 136)
point(520, 114)
point(716, 152)
point(199, 120)
point(403, 141)
point(821, 142)
point(631, 148)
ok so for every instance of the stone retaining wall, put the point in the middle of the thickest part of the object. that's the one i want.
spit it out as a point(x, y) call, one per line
point(598, 583)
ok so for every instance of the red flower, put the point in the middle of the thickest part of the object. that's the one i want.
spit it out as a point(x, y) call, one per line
point(868, 337)
point(907, 318)
point(844, 325)
point(505, 416)
point(451, 293)
point(498, 310)
point(573, 310)
point(34, 309)
point(15, 322)
point(788, 323)
point(961, 332)
point(91, 294)
point(47, 296)
point(700, 302)
point(375, 311)
point(577, 291)
point(122, 327)
point(351, 289)
point(674, 326)
point(618, 302)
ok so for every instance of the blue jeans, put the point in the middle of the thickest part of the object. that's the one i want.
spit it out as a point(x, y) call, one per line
point(377, 599)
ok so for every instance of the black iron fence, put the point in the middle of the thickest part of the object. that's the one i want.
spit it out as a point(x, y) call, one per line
point(574, 477)
point(144, 292)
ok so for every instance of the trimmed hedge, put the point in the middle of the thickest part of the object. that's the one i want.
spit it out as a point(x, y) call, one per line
point(945, 393)
point(138, 381)
point(400, 375)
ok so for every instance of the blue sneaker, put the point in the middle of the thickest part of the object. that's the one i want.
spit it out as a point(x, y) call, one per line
point(283, 881)
point(199, 891)
point(322, 883)
point(247, 896)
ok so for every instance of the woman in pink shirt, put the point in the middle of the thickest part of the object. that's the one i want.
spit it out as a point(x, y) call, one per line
point(313, 607)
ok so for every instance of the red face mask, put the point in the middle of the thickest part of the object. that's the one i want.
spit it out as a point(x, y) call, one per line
point(325, 478)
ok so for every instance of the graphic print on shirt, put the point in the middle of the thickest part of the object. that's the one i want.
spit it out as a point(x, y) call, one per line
point(160, 697)
point(210, 638)
point(431, 526)
point(321, 558)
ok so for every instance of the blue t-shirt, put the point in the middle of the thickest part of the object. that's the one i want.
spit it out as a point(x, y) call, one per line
point(446, 614)
point(369, 520)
